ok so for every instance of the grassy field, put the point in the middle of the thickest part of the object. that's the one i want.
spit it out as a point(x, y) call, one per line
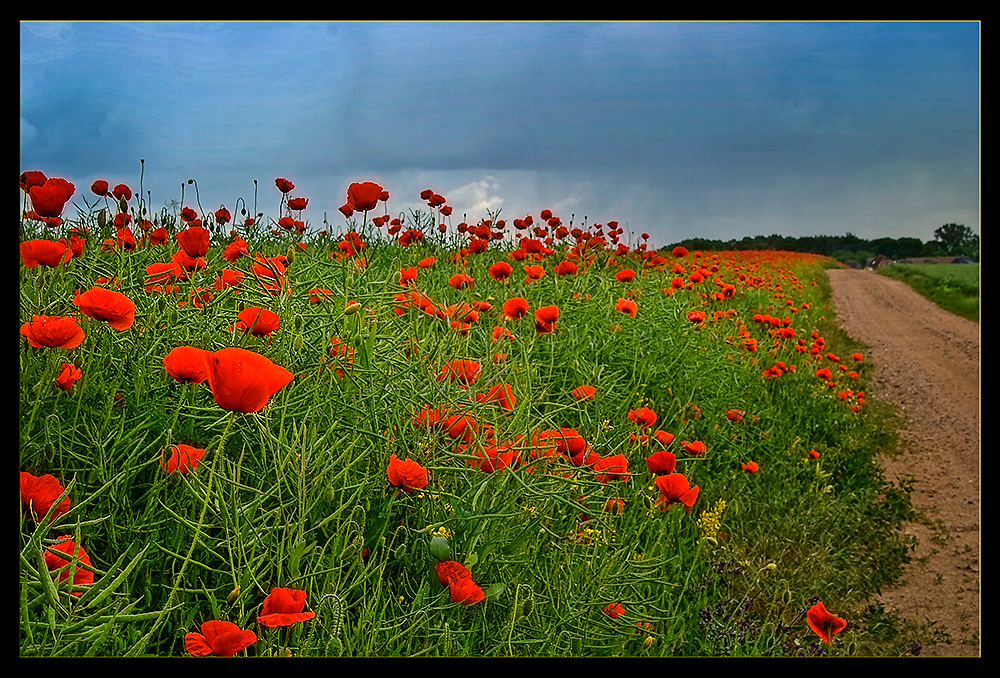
point(350, 489)
point(953, 287)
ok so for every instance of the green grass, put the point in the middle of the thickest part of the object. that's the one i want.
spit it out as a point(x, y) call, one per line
point(953, 287)
point(297, 495)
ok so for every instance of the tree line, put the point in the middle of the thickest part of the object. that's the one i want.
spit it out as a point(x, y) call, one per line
point(949, 240)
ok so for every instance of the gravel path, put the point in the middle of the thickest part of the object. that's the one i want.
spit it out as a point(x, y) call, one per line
point(927, 364)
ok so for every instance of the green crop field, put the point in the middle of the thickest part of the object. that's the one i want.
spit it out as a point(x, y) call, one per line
point(413, 438)
point(954, 287)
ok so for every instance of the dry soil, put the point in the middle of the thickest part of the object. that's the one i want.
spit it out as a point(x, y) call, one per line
point(927, 364)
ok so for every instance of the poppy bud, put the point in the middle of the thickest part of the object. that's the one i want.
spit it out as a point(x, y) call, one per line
point(440, 548)
point(102, 219)
point(290, 254)
point(529, 605)
point(352, 308)
point(122, 204)
point(233, 595)
point(297, 343)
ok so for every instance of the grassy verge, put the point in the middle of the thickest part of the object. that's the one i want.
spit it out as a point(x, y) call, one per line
point(953, 287)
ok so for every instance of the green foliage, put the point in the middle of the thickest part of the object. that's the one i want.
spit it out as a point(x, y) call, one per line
point(297, 494)
point(958, 239)
point(951, 239)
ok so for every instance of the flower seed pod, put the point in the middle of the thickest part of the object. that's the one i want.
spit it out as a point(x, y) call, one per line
point(440, 548)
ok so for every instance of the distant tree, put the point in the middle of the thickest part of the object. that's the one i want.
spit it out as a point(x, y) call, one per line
point(908, 247)
point(957, 238)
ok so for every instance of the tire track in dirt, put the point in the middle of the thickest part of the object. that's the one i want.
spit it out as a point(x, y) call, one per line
point(927, 364)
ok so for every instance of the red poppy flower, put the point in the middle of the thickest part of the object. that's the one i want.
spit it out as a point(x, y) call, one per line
point(450, 570)
point(45, 252)
point(501, 270)
point(228, 278)
point(318, 294)
point(236, 249)
point(461, 281)
point(186, 364)
point(103, 304)
point(68, 376)
point(643, 416)
point(734, 415)
point(566, 267)
point(501, 394)
point(534, 271)
point(695, 447)
point(32, 178)
point(463, 371)
point(218, 637)
point(284, 185)
point(183, 458)
point(342, 354)
point(661, 462)
point(680, 252)
point(363, 196)
point(53, 332)
point(122, 191)
point(39, 493)
point(407, 275)
point(194, 241)
point(823, 623)
point(611, 468)
point(427, 262)
point(584, 392)
point(464, 590)
point(750, 466)
point(406, 474)
point(243, 381)
point(284, 608)
point(258, 321)
point(99, 187)
point(857, 357)
point(696, 316)
point(625, 275)
point(614, 610)
point(49, 199)
point(298, 204)
point(515, 308)
point(824, 373)
point(67, 546)
point(223, 216)
point(545, 319)
point(627, 306)
point(675, 489)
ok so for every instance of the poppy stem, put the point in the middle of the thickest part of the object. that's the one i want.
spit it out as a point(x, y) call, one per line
point(140, 646)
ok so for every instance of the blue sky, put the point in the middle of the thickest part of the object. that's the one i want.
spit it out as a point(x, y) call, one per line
point(714, 130)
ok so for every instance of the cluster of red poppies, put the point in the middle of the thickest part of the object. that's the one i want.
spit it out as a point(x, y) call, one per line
point(244, 381)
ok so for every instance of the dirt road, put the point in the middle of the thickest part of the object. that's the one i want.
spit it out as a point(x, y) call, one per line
point(927, 364)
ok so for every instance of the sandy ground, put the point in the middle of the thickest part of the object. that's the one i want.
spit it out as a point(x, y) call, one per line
point(927, 364)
